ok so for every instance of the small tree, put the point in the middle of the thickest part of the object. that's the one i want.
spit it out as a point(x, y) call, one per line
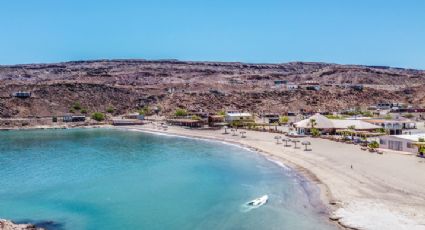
point(98, 116)
point(313, 123)
point(180, 112)
point(314, 132)
point(283, 119)
point(373, 145)
point(144, 111)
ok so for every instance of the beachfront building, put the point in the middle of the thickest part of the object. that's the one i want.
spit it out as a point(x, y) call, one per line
point(237, 116)
point(21, 94)
point(291, 86)
point(134, 116)
point(331, 126)
point(405, 143)
point(216, 121)
point(269, 118)
point(186, 122)
point(393, 127)
point(71, 118)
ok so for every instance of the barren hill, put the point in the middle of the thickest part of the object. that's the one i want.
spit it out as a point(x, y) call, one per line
point(128, 85)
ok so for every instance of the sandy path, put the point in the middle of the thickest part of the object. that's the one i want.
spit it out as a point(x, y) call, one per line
point(378, 192)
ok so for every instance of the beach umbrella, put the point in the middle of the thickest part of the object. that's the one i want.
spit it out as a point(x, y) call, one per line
point(243, 134)
point(286, 142)
point(306, 143)
point(234, 132)
point(295, 143)
point(277, 138)
point(225, 129)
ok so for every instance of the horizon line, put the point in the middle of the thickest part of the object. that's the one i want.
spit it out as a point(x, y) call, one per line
point(205, 61)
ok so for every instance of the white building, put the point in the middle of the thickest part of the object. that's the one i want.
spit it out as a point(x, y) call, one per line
point(326, 125)
point(403, 143)
point(237, 116)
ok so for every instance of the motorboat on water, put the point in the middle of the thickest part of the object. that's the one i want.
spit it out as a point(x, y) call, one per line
point(259, 201)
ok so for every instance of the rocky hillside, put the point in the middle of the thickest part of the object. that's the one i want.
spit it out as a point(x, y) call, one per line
point(127, 85)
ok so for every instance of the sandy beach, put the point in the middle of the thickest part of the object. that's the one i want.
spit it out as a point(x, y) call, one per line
point(363, 190)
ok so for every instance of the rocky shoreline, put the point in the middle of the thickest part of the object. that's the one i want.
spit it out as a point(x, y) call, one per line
point(9, 225)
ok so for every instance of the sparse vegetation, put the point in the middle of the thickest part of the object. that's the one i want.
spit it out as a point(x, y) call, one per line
point(84, 111)
point(145, 111)
point(388, 117)
point(373, 145)
point(283, 119)
point(408, 116)
point(97, 116)
point(221, 113)
point(314, 132)
point(110, 109)
point(195, 117)
point(76, 106)
point(180, 112)
point(334, 117)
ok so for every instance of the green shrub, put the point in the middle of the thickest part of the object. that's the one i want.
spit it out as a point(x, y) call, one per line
point(98, 116)
point(110, 109)
point(283, 119)
point(421, 139)
point(334, 117)
point(373, 145)
point(84, 111)
point(196, 118)
point(180, 113)
point(408, 116)
point(388, 117)
point(367, 114)
point(76, 106)
point(145, 111)
point(315, 132)
point(221, 113)
point(72, 110)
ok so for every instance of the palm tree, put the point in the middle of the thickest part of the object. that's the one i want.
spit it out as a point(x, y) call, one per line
point(313, 123)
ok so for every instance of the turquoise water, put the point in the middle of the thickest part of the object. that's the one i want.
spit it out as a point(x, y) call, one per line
point(112, 179)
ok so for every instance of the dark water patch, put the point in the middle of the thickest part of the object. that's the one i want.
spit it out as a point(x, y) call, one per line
point(46, 224)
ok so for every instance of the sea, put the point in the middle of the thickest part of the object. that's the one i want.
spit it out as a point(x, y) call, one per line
point(119, 179)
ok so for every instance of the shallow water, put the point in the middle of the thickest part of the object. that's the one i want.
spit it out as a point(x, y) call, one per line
point(112, 179)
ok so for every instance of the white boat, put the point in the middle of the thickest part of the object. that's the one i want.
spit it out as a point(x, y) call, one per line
point(259, 201)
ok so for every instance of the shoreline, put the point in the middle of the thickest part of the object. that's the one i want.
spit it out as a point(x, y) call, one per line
point(352, 198)
point(377, 192)
point(324, 198)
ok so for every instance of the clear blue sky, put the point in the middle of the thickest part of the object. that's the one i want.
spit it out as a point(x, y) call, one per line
point(371, 32)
